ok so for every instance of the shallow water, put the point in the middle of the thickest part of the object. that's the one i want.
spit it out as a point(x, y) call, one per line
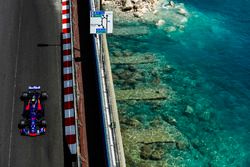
point(210, 55)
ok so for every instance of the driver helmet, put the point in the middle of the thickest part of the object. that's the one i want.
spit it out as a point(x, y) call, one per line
point(33, 100)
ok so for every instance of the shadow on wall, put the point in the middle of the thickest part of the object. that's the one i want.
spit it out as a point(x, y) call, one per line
point(96, 144)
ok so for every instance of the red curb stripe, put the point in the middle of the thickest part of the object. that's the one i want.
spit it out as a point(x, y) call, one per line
point(66, 30)
point(67, 52)
point(71, 139)
point(67, 40)
point(67, 64)
point(65, 11)
point(65, 3)
point(65, 20)
point(67, 77)
point(68, 105)
point(68, 90)
point(69, 121)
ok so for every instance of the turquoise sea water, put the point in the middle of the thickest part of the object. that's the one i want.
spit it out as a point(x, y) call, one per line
point(208, 53)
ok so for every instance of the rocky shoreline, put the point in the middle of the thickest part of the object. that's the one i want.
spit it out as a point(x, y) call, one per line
point(167, 14)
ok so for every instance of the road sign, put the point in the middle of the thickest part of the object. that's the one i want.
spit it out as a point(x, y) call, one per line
point(101, 22)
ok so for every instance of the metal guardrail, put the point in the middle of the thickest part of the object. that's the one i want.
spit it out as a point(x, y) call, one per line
point(113, 140)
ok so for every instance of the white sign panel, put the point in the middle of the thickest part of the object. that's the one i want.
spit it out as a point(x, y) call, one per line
point(101, 22)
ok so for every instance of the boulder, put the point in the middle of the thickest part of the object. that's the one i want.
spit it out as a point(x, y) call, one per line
point(169, 119)
point(189, 111)
point(181, 145)
point(157, 154)
point(160, 22)
point(128, 5)
point(146, 152)
point(182, 11)
point(138, 14)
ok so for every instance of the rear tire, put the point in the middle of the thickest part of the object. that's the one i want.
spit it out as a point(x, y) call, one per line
point(43, 123)
point(24, 96)
point(44, 95)
point(22, 124)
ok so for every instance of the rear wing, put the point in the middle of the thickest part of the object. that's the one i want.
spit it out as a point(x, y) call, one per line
point(34, 87)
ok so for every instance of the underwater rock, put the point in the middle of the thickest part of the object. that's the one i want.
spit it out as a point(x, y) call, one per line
point(156, 80)
point(132, 68)
point(170, 29)
point(115, 77)
point(130, 81)
point(189, 111)
point(133, 122)
point(157, 154)
point(182, 145)
point(168, 69)
point(155, 72)
point(156, 122)
point(169, 119)
point(205, 116)
point(125, 75)
point(160, 22)
point(137, 76)
point(148, 145)
point(182, 11)
point(146, 151)
point(127, 53)
point(117, 53)
point(142, 94)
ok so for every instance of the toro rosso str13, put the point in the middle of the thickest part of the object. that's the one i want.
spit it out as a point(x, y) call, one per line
point(33, 122)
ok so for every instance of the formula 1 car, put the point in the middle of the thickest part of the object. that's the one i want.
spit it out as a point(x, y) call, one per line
point(33, 122)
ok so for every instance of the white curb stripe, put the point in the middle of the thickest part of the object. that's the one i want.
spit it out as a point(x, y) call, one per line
point(67, 58)
point(65, 25)
point(67, 46)
point(67, 70)
point(68, 98)
point(66, 36)
point(65, 16)
point(67, 84)
point(70, 130)
point(72, 148)
point(65, 7)
point(69, 113)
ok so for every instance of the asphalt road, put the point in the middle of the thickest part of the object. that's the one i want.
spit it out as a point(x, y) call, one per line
point(23, 25)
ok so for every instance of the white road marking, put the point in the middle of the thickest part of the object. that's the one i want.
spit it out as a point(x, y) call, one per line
point(15, 76)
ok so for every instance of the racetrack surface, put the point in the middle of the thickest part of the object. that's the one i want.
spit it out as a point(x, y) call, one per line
point(24, 24)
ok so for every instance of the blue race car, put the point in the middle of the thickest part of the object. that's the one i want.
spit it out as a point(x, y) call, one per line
point(33, 122)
